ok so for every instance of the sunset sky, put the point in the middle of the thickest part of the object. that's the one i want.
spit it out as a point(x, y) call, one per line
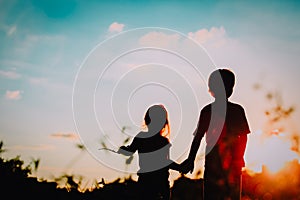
point(43, 46)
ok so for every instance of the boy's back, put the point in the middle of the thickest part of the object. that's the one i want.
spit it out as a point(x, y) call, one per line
point(223, 131)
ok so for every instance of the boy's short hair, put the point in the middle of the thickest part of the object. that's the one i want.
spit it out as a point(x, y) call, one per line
point(216, 85)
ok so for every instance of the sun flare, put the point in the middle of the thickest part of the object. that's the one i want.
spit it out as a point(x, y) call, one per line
point(271, 152)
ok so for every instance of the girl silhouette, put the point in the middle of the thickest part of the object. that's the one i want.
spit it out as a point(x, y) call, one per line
point(153, 149)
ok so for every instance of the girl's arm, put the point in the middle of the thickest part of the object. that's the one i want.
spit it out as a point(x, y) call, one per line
point(173, 165)
point(130, 149)
point(125, 150)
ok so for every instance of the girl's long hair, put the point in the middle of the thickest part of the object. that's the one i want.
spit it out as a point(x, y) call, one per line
point(165, 131)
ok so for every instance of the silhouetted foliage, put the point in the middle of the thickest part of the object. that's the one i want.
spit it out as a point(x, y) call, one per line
point(16, 183)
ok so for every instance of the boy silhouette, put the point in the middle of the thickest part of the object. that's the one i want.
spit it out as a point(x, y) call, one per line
point(225, 126)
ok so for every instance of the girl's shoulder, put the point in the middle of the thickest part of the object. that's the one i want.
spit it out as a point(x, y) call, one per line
point(146, 135)
point(166, 141)
point(141, 134)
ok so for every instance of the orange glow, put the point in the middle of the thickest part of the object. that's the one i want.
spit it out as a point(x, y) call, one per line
point(271, 152)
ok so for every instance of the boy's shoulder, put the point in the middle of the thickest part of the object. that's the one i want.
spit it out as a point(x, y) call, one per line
point(233, 105)
point(207, 107)
point(230, 105)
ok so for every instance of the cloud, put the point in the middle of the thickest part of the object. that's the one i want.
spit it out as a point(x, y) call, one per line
point(31, 43)
point(15, 64)
point(10, 74)
point(215, 37)
point(38, 81)
point(116, 27)
point(9, 30)
point(13, 95)
point(49, 84)
point(159, 39)
point(60, 135)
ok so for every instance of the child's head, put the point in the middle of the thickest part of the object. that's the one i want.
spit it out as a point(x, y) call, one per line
point(220, 80)
point(156, 119)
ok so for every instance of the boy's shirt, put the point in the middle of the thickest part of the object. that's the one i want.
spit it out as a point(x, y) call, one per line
point(223, 130)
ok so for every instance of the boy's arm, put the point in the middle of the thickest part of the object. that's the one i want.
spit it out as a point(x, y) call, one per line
point(195, 146)
point(188, 164)
point(199, 133)
point(241, 151)
point(243, 138)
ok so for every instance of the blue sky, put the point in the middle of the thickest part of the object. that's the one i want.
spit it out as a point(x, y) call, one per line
point(43, 43)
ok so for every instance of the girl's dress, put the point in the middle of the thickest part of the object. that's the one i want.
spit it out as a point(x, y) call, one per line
point(154, 165)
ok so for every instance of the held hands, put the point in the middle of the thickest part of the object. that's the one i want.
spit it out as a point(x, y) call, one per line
point(187, 166)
